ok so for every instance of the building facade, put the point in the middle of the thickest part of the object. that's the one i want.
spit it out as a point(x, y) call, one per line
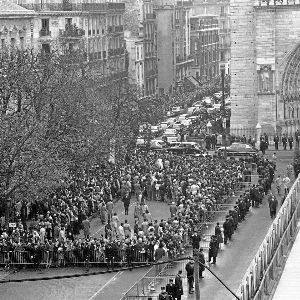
point(173, 44)
point(95, 27)
point(16, 26)
point(205, 47)
point(136, 62)
point(220, 8)
point(141, 30)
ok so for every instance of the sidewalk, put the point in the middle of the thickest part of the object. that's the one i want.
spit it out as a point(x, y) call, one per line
point(234, 259)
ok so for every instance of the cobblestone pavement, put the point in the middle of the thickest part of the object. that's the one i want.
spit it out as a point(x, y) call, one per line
point(232, 262)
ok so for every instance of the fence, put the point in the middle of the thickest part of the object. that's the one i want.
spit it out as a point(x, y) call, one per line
point(264, 269)
point(71, 257)
point(149, 286)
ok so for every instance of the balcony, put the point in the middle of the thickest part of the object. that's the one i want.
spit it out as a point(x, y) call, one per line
point(110, 29)
point(119, 28)
point(180, 60)
point(65, 5)
point(116, 6)
point(261, 3)
point(45, 32)
point(224, 31)
point(150, 17)
point(72, 31)
point(116, 52)
point(151, 73)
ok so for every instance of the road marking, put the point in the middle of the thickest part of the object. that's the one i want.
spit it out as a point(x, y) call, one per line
point(106, 284)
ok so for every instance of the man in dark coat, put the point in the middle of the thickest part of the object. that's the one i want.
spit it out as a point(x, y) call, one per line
point(201, 263)
point(273, 203)
point(218, 234)
point(190, 275)
point(178, 285)
point(126, 201)
point(284, 142)
point(171, 289)
point(195, 240)
point(213, 249)
point(276, 141)
point(290, 140)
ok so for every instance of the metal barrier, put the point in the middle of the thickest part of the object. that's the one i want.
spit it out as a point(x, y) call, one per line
point(264, 269)
point(149, 286)
point(70, 257)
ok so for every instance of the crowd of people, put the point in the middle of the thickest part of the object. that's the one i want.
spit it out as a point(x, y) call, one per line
point(49, 231)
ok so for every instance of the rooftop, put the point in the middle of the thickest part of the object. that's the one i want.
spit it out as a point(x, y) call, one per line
point(9, 8)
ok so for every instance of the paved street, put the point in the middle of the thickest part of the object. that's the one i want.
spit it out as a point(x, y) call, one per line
point(231, 263)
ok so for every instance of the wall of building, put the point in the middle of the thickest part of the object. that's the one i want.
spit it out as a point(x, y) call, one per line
point(243, 88)
point(165, 51)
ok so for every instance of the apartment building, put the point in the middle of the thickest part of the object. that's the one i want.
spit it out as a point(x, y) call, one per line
point(95, 27)
point(205, 47)
point(220, 8)
point(16, 26)
point(173, 44)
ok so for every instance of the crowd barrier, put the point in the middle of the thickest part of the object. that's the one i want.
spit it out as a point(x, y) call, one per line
point(265, 268)
point(71, 257)
point(149, 286)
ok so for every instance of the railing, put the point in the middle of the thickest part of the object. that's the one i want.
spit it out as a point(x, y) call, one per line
point(76, 257)
point(276, 2)
point(72, 31)
point(150, 16)
point(263, 271)
point(119, 28)
point(115, 52)
point(67, 6)
point(45, 32)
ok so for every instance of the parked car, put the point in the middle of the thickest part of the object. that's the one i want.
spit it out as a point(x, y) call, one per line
point(239, 149)
point(164, 126)
point(177, 125)
point(155, 129)
point(185, 149)
point(176, 110)
point(170, 135)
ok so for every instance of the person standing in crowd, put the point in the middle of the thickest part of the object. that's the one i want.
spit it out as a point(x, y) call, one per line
point(278, 182)
point(196, 239)
point(218, 234)
point(297, 136)
point(289, 170)
point(126, 201)
point(286, 184)
point(276, 141)
point(201, 263)
point(213, 250)
point(163, 295)
point(263, 146)
point(266, 139)
point(284, 142)
point(173, 209)
point(273, 203)
point(178, 285)
point(190, 275)
point(290, 140)
point(86, 227)
point(109, 207)
point(170, 289)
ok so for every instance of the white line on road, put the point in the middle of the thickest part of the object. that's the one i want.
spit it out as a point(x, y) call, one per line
point(106, 284)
